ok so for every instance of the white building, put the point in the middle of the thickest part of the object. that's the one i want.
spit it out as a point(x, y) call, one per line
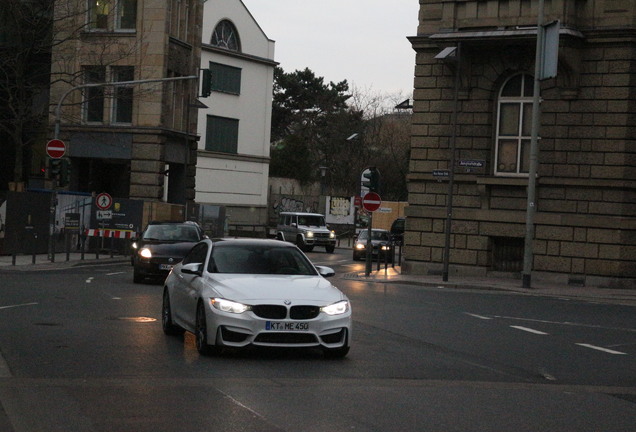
point(233, 153)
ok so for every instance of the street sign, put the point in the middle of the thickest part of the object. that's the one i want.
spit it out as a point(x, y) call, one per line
point(357, 201)
point(55, 148)
point(371, 201)
point(104, 215)
point(103, 201)
point(441, 173)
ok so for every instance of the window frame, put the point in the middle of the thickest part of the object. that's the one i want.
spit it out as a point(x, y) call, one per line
point(120, 93)
point(212, 136)
point(521, 137)
point(118, 16)
point(92, 96)
point(225, 78)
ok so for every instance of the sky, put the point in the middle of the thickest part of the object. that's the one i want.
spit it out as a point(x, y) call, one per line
point(362, 41)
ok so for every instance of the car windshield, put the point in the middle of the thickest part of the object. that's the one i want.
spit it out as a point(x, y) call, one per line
point(259, 259)
point(311, 221)
point(173, 233)
point(375, 235)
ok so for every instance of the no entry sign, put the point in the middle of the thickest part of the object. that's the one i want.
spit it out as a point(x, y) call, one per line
point(371, 201)
point(55, 148)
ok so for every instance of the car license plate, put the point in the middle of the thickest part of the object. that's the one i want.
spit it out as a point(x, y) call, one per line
point(286, 326)
point(165, 266)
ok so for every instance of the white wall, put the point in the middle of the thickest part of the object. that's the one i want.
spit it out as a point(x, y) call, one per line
point(240, 179)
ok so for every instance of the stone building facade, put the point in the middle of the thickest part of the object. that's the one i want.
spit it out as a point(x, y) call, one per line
point(136, 141)
point(585, 223)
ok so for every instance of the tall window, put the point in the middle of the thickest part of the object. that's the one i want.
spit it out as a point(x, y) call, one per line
point(123, 95)
point(98, 11)
point(226, 36)
point(225, 78)
point(94, 96)
point(514, 122)
point(222, 134)
point(126, 15)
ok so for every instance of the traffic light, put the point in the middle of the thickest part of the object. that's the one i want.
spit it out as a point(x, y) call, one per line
point(206, 82)
point(55, 166)
point(65, 172)
point(373, 182)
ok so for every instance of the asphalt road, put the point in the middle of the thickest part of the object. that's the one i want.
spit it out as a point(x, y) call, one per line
point(82, 350)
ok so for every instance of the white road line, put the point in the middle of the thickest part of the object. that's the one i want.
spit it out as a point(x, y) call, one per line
point(598, 348)
point(18, 305)
point(116, 273)
point(478, 316)
point(529, 330)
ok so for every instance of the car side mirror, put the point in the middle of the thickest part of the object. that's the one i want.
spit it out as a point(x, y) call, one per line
point(325, 271)
point(193, 269)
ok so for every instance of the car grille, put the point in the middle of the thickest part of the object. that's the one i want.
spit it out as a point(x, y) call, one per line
point(280, 312)
point(286, 338)
point(304, 312)
point(322, 235)
point(270, 311)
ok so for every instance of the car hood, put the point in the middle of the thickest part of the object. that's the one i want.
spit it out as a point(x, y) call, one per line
point(273, 289)
point(177, 249)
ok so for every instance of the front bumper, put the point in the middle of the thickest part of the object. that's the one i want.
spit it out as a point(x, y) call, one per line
point(241, 330)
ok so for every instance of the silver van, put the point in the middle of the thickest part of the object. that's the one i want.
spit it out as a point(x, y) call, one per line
point(306, 230)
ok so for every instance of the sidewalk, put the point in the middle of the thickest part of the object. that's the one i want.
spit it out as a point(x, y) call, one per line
point(41, 261)
point(539, 288)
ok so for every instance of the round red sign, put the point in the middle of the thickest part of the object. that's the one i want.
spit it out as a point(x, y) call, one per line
point(103, 201)
point(55, 148)
point(371, 201)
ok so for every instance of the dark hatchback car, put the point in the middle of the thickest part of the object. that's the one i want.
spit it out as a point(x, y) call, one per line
point(380, 245)
point(161, 246)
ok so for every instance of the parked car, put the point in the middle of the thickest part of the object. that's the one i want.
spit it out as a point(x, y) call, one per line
point(255, 292)
point(397, 231)
point(306, 230)
point(161, 246)
point(380, 243)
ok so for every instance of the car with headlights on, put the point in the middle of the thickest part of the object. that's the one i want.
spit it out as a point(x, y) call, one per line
point(306, 230)
point(161, 246)
point(381, 245)
point(236, 293)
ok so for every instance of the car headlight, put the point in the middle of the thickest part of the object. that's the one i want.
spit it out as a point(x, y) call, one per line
point(145, 252)
point(332, 234)
point(309, 234)
point(229, 306)
point(336, 308)
point(360, 246)
point(135, 245)
point(385, 247)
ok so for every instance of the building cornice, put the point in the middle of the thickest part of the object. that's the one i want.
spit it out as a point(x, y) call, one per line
point(239, 55)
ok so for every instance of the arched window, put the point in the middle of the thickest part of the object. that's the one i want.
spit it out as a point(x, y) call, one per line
point(514, 123)
point(226, 36)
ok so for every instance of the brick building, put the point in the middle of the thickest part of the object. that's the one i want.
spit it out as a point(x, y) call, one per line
point(136, 141)
point(585, 223)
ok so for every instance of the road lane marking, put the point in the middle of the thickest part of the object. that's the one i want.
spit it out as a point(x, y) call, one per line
point(90, 279)
point(598, 348)
point(478, 316)
point(18, 305)
point(529, 330)
point(115, 273)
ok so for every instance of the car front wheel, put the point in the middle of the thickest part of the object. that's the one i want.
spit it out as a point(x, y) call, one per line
point(169, 327)
point(330, 248)
point(201, 334)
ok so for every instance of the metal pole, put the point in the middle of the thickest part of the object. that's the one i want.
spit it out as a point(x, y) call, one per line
point(451, 168)
point(534, 150)
point(369, 247)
